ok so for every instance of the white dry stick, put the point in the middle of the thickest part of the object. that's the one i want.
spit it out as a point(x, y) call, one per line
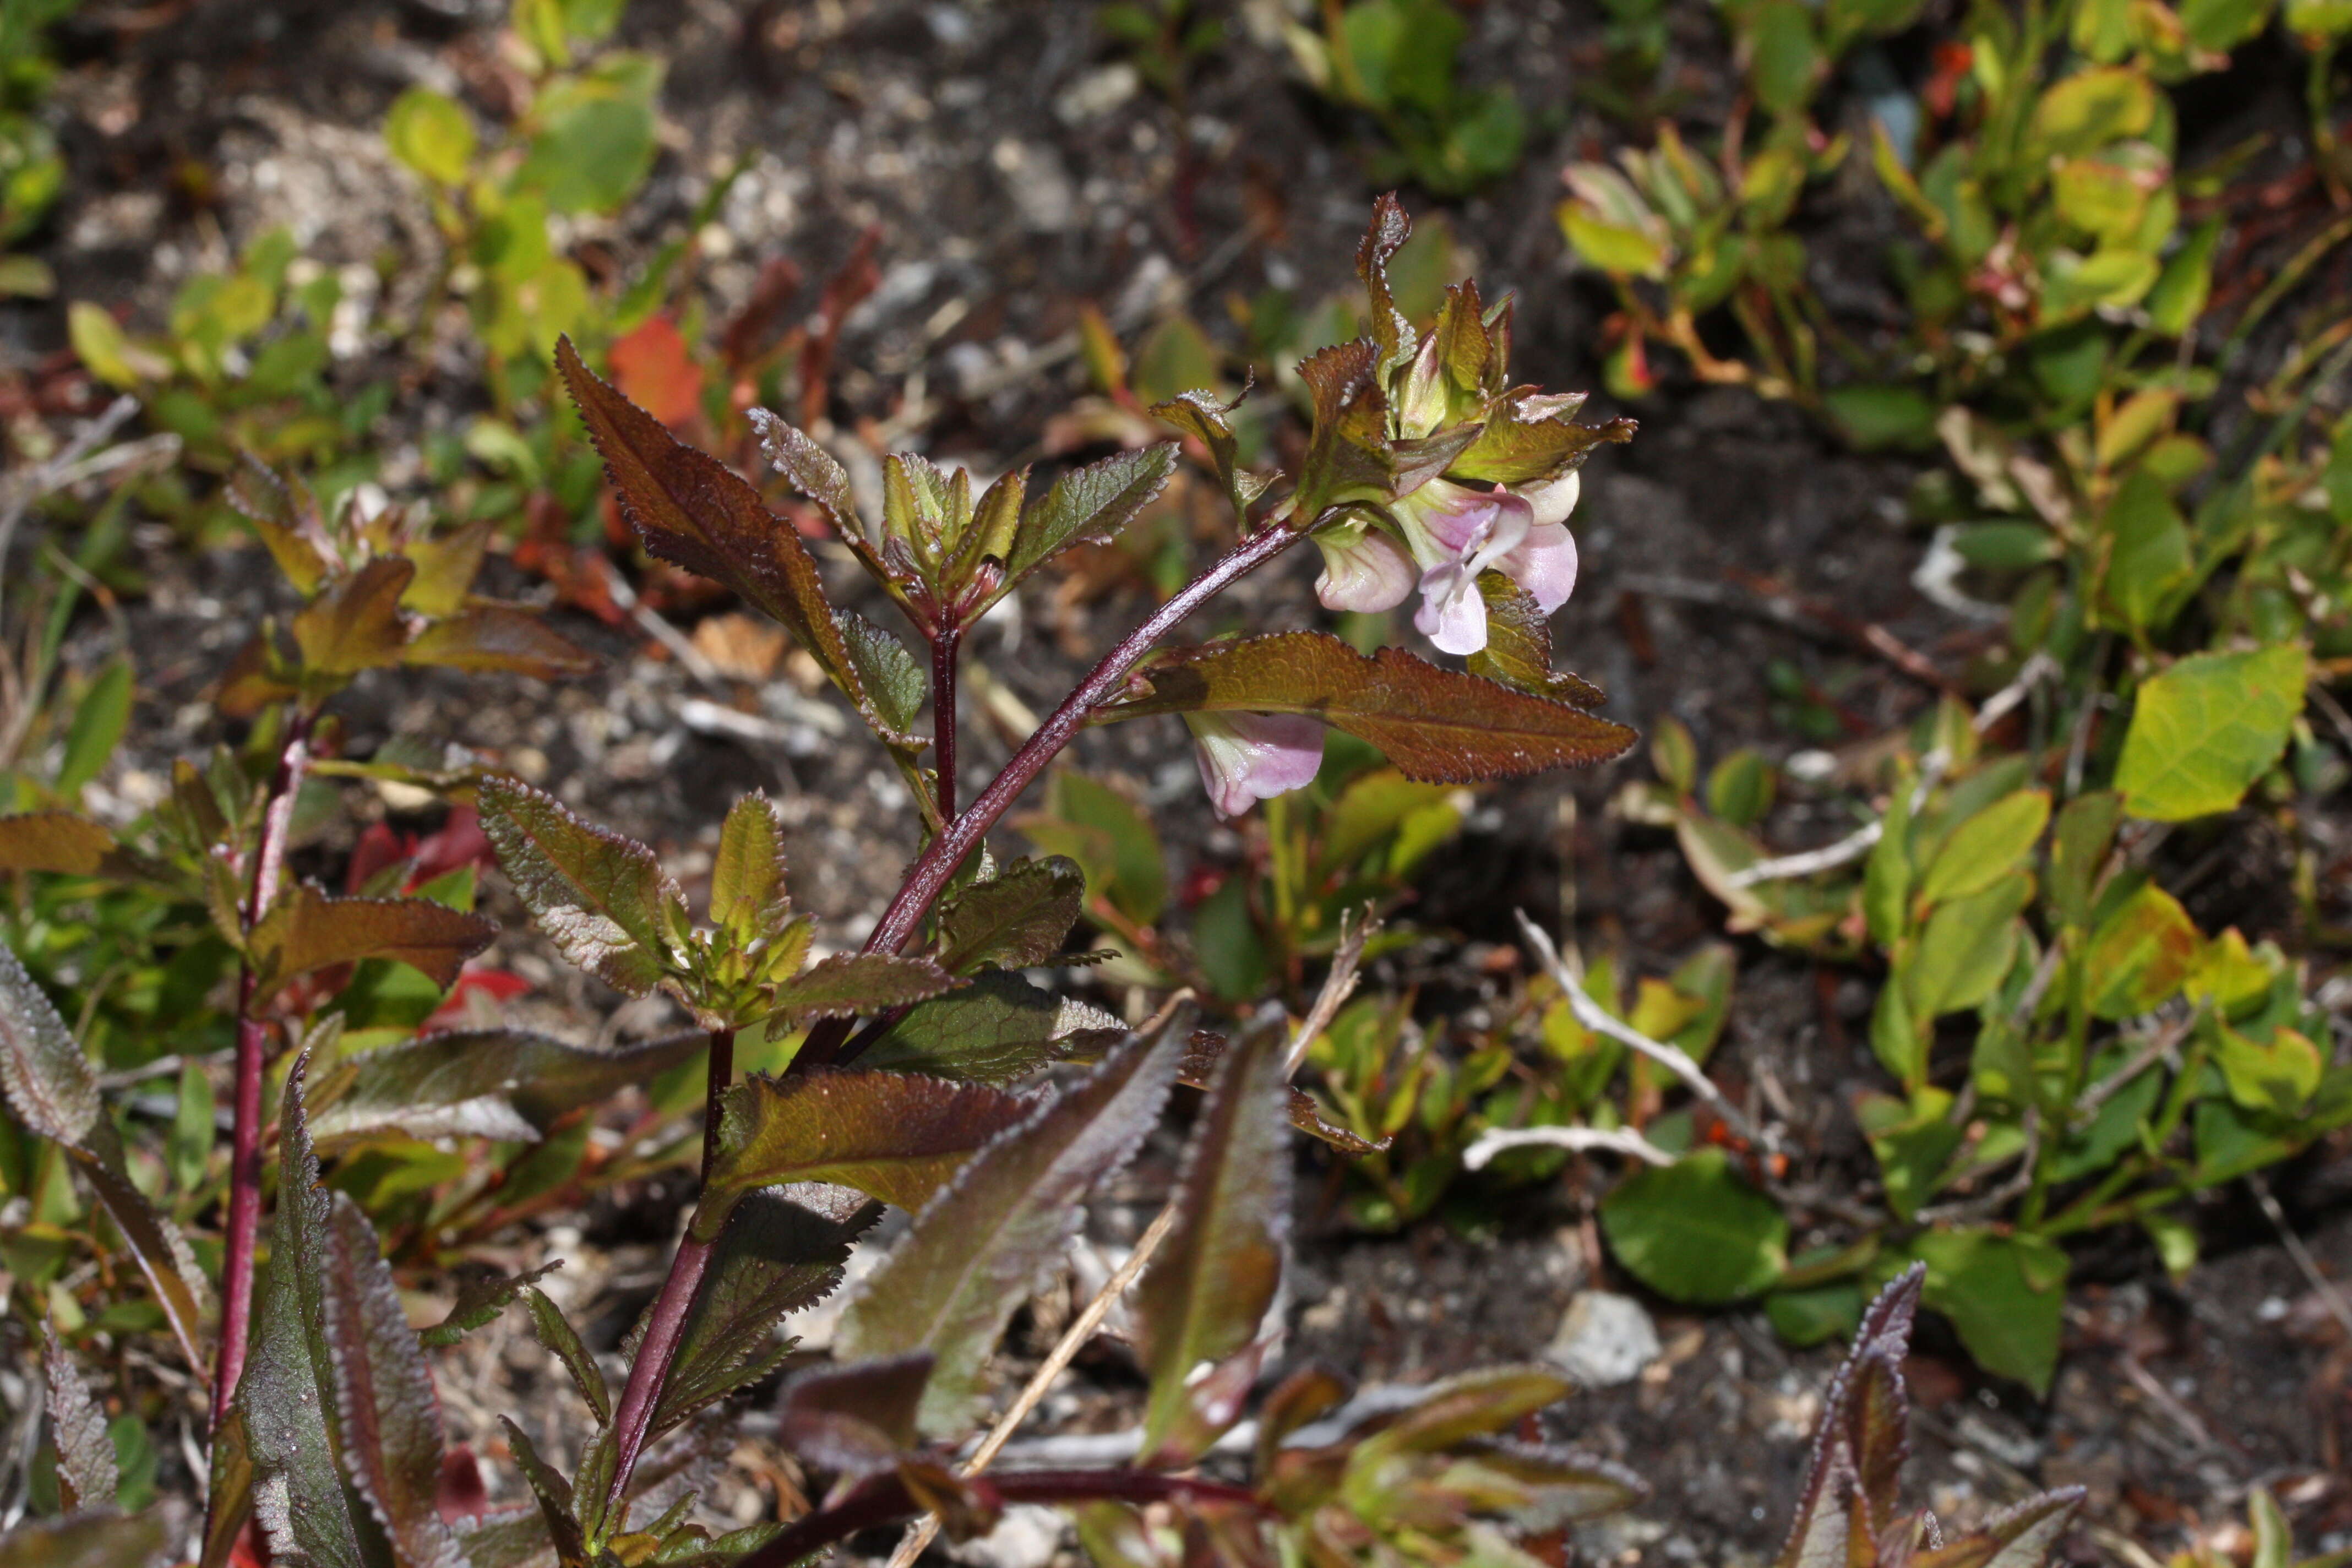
point(2325, 1289)
point(1672, 1058)
point(1852, 846)
point(1582, 1140)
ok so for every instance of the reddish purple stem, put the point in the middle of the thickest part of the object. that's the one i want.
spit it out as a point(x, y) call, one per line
point(252, 1041)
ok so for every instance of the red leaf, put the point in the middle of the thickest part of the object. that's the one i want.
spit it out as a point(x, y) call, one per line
point(651, 366)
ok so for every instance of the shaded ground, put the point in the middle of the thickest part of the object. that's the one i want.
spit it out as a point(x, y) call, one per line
point(1011, 180)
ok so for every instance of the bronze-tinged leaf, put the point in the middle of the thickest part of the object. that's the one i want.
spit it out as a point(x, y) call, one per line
point(228, 1489)
point(1090, 504)
point(1311, 1392)
point(555, 1500)
point(1516, 449)
point(1347, 457)
point(286, 516)
point(1201, 1054)
point(502, 1083)
point(86, 1540)
point(48, 1081)
point(1199, 1304)
point(781, 1252)
point(1436, 725)
point(1389, 230)
point(1474, 1405)
point(387, 1421)
point(86, 1473)
point(893, 1136)
point(1016, 919)
point(976, 1251)
point(694, 511)
point(499, 636)
point(308, 929)
point(1200, 416)
point(161, 1251)
point(747, 879)
point(58, 841)
point(2025, 1536)
point(813, 473)
point(601, 897)
point(1859, 1448)
point(357, 623)
point(555, 1333)
point(856, 1419)
point(478, 1301)
point(1518, 647)
point(849, 983)
point(998, 1029)
point(446, 566)
point(1561, 1486)
point(514, 1538)
point(1465, 346)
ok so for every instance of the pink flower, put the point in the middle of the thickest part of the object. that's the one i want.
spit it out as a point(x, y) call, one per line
point(1247, 757)
point(1363, 569)
point(1456, 532)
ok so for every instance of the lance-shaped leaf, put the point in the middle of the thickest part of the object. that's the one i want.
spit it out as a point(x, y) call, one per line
point(86, 1473)
point(478, 1301)
point(499, 636)
point(746, 878)
point(228, 1489)
point(1089, 505)
point(696, 511)
point(849, 983)
point(977, 1249)
point(286, 516)
point(1436, 725)
point(782, 1251)
point(1348, 457)
point(1199, 1304)
point(601, 897)
point(1556, 1486)
point(855, 1419)
point(514, 1538)
point(812, 472)
point(1389, 228)
point(1016, 919)
point(895, 684)
point(1201, 1053)
point(1858, 1451)
point(1518, 647)
point(387, 1421)
point(485, 1083)
point(2025, 1536)
point(64, 842)
point(893, 1136)
point(86, 1541)
point(356, 624)
point(1528, 439)
point(998, 1029)
point(1200, 416)
point(555, 1333)
point(446, 566)
point(556, 1498)
point(308, 929)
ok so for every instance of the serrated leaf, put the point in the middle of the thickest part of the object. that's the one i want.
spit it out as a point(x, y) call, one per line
point(995, 1030)
point(516, 1538)
point(1861, 1442)
point(1436, 725)
point(499, 636)
point(601, 897)
point(356, 624)
point(1514, 449)
point(782, 1251)
point(894, 681)
point(1389, 227)
point(1017, 918)
point(976, 1250)
point(555, 1495)
point(812, 471)
point(1204, 1050)
point(49, 1082)
point(308, 929)
point(2206, 729)
point(1090, 504)
point(501, 1083)
point(2025, 1536)
point(388, 1423)
point(86, 1541)
point(478, 1301)
point(1518, 647)
point(555, 1333)
point(1200, 416)
point(746, 878)
point(849, 983)
point(1694, 1231)
point(161, 1251)
point(1347, 457)
point(855, 1419)
point(86, 1473)
point(893, 1136)
point(1199, 1304)
point(694, 511)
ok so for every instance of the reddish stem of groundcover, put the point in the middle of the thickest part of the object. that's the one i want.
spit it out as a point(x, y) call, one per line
point(244, 1145)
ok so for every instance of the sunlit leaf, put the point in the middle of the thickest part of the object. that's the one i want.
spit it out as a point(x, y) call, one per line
point(87, 1472)
point(499, 636)
point(851, 982)
point(1515, 448)
point(478, 1301)
point(308, 929)
point(501, 1083)
point(1090, 504)
point(2206, 729)
point(356, 624)
point(1014, 920)
point(997, 1030)
point(601, 897)
point(284, 514)
point(1518, 647)
point(59, 841)
point(2006, 1294)
point(746, 878)
point(977, 1249)
point(49, 1082)
point(555, 1332)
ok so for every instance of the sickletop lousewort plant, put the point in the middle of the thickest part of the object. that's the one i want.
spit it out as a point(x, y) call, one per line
point(921, 1078)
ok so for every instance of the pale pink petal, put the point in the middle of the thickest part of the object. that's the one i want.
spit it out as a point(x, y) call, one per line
point(1452, 614)
point(1367, 572)
point(1440, 518)
point(1553, 499)
point(1545, 565)
point(1249, 757)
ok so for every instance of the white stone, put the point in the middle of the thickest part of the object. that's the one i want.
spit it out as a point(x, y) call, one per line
point(1604, 1339)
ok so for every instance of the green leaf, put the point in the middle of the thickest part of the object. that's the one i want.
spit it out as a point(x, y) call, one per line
point(1695, 1231)
point(893, 1136)
point(2140, 954)
point(977, 1249)
point(431, 134)
point(594, 140)
point(86, 1541)
point(1437, 726)
point(1965, 949)
point(998, 1029)
point(1199, 1304)
point(555, 1332)
point(307, 930)
point(856, 1419)
point(88, 1476)
point(59, 841)
point(356, 624)
point(478, 1301)
point(1914, 1141)
point(2005, 1294)
point(1017, 918)
point(849, 983)
point(601, 897)
point(499, 636)
point(1986, 848)
point(1873, 418)
point(2149, 555)
point(1513, 448)
point(747, 879)
point(893, 682)
point(1201, 416)
point(782, 1251)
point(555, 1498)
point(1110, 838)
point(1348, 456)
point(2206, 729)
point(1091, 504)
point(2078, 852)
point(2277, 1079)
point(1886, 875)
point(48, 1081)
point(2093, 109)
point(507, 1084)
point(99, 721)
point(1518, 647)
